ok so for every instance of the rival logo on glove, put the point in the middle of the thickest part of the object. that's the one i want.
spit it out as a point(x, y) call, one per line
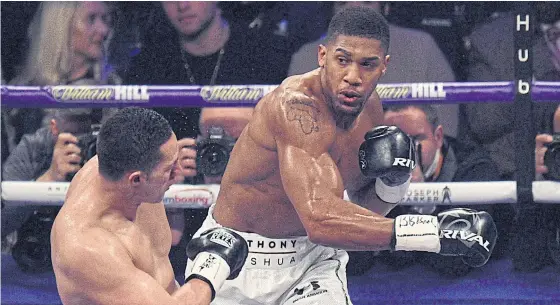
point(404, 162)
point(223, 238)
point(471, 237)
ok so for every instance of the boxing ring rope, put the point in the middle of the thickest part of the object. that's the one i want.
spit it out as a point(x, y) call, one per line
point(202, 196)
point(249, 95)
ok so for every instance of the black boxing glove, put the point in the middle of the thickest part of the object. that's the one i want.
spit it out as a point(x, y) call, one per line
point(388, 155)
point(467, 233)
point(457, 232)
point(217, 254)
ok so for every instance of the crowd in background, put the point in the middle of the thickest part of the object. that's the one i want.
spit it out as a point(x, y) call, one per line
point(233, 43)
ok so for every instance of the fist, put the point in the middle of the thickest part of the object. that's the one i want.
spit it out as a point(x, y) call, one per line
point(467, 233)
point(387, 153)
point(223, 242)
point(218, 254)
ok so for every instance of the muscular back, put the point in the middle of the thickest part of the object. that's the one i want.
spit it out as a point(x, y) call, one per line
point(292, 120)
point(96, 250)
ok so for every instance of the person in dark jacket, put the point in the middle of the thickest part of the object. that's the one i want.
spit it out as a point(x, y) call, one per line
point(51, 154)
point(441, 158)
point(192, 43)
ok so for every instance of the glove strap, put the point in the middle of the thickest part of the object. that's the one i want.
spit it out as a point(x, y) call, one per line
point(416, 233)
point(211, 268)
point(391, 194)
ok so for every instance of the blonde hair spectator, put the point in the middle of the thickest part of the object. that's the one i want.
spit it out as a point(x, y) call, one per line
point(67, 40)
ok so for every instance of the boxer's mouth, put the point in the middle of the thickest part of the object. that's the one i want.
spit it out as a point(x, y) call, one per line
point(349, 96)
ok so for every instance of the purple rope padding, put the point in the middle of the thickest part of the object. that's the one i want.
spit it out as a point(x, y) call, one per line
point(546, 92)
point(249, 95)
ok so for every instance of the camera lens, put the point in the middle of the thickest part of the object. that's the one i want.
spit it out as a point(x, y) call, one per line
point(213, 159)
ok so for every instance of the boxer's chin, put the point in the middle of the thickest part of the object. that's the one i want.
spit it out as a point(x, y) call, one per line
point(345, 108)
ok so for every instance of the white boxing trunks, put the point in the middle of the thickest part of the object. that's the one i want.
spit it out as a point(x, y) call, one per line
point(284, 271)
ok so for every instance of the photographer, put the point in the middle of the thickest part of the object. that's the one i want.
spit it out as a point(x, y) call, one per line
point(542, 142)
point(441, 158)
point(219, 128)
point(52, 154)
point(547, 167)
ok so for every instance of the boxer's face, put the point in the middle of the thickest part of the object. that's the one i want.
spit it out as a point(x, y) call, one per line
point(190, 18)
point(90, 28)
point(413, 121)
point(351, 67)
point(161, 177)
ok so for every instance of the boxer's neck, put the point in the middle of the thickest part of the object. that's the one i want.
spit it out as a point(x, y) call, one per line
point(118, 199)
point(209, 40)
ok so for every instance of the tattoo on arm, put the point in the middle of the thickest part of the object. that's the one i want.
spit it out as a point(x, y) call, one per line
point(305, 113)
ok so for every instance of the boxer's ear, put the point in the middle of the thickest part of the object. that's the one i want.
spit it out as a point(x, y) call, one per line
point(387, 59)
point(322, 55)
point(136, 178)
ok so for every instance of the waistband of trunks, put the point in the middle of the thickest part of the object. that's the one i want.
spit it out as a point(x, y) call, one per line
point(273, 253)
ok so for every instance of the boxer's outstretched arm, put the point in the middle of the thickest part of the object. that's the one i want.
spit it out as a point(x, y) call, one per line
point(103, 272)
point(313, 183)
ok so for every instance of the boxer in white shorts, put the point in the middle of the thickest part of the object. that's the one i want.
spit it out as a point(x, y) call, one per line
point(283, 188)
point(284, 271)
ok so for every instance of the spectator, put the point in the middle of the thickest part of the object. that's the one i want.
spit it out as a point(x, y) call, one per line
point(490, 125)
point(48, 155)
point(51, 154)
point(67, 46)
point(231, 120)
point(440, 159)
point(541, 140)
point(290, 20)
point(195, 45)
point(415, 57)
point(551, 212)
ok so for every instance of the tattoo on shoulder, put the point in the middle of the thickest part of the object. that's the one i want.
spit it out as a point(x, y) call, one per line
point(306, 113)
